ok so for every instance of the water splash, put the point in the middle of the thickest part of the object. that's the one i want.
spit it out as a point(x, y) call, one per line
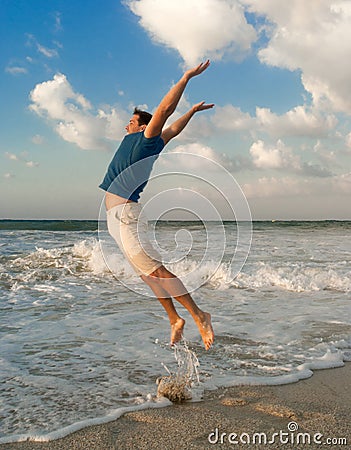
point(177, 385)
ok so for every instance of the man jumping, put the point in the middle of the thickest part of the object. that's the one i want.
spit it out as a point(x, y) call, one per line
point(124, 181)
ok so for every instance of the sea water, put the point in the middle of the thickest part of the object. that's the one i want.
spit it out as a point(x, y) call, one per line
point(80, 345)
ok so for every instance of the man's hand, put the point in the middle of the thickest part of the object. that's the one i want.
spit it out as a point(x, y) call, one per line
point(202, 106)
point(196, 70)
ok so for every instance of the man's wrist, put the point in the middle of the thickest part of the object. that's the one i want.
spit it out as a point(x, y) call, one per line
point(185, 78)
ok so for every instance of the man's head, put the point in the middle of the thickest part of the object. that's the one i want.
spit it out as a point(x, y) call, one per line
point(138, 121)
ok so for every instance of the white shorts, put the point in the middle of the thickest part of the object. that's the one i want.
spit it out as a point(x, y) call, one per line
point(129, 227)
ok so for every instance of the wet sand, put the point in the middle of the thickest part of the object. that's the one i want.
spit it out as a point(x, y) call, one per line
point(320, 407)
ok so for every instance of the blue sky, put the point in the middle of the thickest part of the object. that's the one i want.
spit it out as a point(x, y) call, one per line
point(72, 71)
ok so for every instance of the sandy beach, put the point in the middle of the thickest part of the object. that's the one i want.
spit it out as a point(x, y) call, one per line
point(313, 413)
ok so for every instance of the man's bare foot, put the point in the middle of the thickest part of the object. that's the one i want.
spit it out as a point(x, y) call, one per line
point(177, 330)
point(205, 327)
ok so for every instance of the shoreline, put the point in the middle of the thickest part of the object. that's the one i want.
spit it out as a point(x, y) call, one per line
point(319, 406)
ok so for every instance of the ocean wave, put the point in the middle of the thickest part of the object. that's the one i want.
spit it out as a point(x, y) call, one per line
point(266, 276)
point(295, 278)
point(48, 264)
point(85, 258)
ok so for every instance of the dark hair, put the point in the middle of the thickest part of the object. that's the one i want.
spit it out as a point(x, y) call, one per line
point(144, 116)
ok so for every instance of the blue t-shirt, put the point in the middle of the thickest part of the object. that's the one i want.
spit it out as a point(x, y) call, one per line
point(130, 168)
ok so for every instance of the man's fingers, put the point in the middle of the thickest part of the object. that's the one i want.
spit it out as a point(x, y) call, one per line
point(200, 68)
point(202, 106)
point(203, 66)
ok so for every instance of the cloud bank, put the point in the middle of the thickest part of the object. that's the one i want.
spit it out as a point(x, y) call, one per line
point(73, 116)
point(313, 37)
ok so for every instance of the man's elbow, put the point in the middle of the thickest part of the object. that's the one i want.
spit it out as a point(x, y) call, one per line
point(166, 110)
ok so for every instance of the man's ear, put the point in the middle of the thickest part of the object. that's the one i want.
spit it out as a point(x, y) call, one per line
point(143, 127)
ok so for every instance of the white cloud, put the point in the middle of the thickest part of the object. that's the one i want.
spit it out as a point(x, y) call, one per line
point(342, 184)
point(21, 159)
point(196, 29)
point(16, 70)
point(47, 52)
point(281, 157)
point(32, 164)
point(324, 154)
point(72, 116)
point(299, 121)
point(11, 156)
point(199, 157)
point(38, 139)
point(314, 37)
point(275, 187)
point(58, 25)
point(277, 157)
point(231, 118)
point(207, 153)
point(315, 170)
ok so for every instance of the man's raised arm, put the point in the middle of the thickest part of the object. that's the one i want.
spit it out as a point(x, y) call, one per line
point(178, 126)
point(170, 101)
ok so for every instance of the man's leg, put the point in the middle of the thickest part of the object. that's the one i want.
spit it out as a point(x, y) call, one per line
point(172, 286)
point(177, 323)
